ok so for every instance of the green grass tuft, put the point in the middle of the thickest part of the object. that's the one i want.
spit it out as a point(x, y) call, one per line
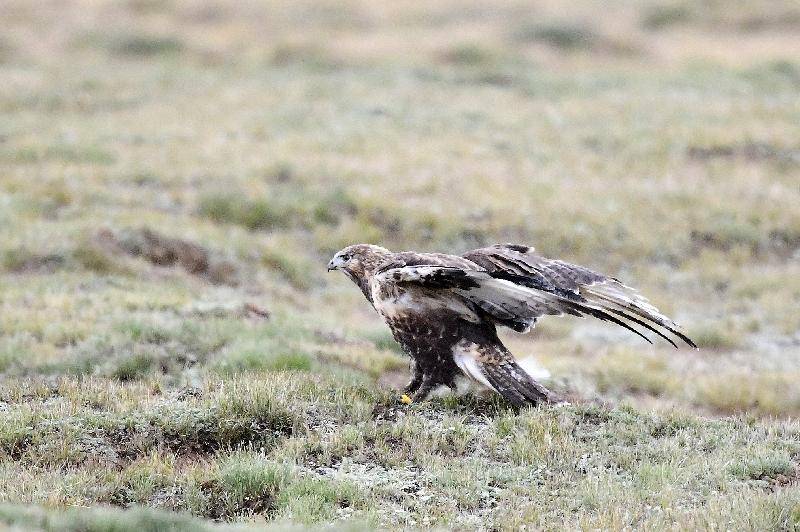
point(763, 466)
point(659, 17)
point(98, 519)
point(246, 484)
point(145, 45)
point(563, 36)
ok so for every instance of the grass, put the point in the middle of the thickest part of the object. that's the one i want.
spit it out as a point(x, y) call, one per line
point(145, 45)
point(560, 35)
point(293, 453)
point(98, 519)
point(173, 354)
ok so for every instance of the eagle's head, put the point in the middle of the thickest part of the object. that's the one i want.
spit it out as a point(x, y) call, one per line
point(359, 260)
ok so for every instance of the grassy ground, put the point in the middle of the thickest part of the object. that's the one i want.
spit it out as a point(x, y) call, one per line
point(174, 175)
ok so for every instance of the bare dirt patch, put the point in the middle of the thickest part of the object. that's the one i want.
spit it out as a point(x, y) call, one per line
point(161, 250)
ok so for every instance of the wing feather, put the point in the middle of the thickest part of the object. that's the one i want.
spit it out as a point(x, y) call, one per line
point(514, 287)
point(486, 291)
point(608, 298)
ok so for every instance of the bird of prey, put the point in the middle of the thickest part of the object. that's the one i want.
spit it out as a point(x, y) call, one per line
point(444, 310)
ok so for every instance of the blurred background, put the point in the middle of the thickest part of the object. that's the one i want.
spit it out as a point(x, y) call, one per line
point(175, 174)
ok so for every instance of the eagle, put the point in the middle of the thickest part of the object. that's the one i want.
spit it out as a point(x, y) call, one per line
point(444, 310)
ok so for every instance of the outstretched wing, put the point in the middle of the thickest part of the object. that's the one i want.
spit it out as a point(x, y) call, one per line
point(515, 288)
point(601, 296)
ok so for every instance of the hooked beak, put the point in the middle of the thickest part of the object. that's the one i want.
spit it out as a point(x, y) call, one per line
point(335, 264)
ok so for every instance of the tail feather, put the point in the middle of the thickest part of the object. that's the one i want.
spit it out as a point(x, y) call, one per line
point(625, 301)
point(493, 366)
point(643, 324)
point(514, 384)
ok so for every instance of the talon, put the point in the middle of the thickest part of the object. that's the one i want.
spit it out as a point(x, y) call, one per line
point(406, 399)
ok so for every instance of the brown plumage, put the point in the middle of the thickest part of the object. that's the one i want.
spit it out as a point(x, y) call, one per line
point(444, 309)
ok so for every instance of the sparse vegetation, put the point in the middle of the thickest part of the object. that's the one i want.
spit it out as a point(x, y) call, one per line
point(469, 55)
point(564, 36)
point(718, 336)
point(657, 17)
point(260, 214)
point(174, 177)
point(144, 45)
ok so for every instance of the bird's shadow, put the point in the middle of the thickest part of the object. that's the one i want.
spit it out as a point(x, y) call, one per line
point(390, 407)
point(473, 406)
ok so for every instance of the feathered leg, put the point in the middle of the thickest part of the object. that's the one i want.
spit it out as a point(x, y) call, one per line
point(425, 388)
point(492, 365)
point(416, 378)
point(516, 386)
